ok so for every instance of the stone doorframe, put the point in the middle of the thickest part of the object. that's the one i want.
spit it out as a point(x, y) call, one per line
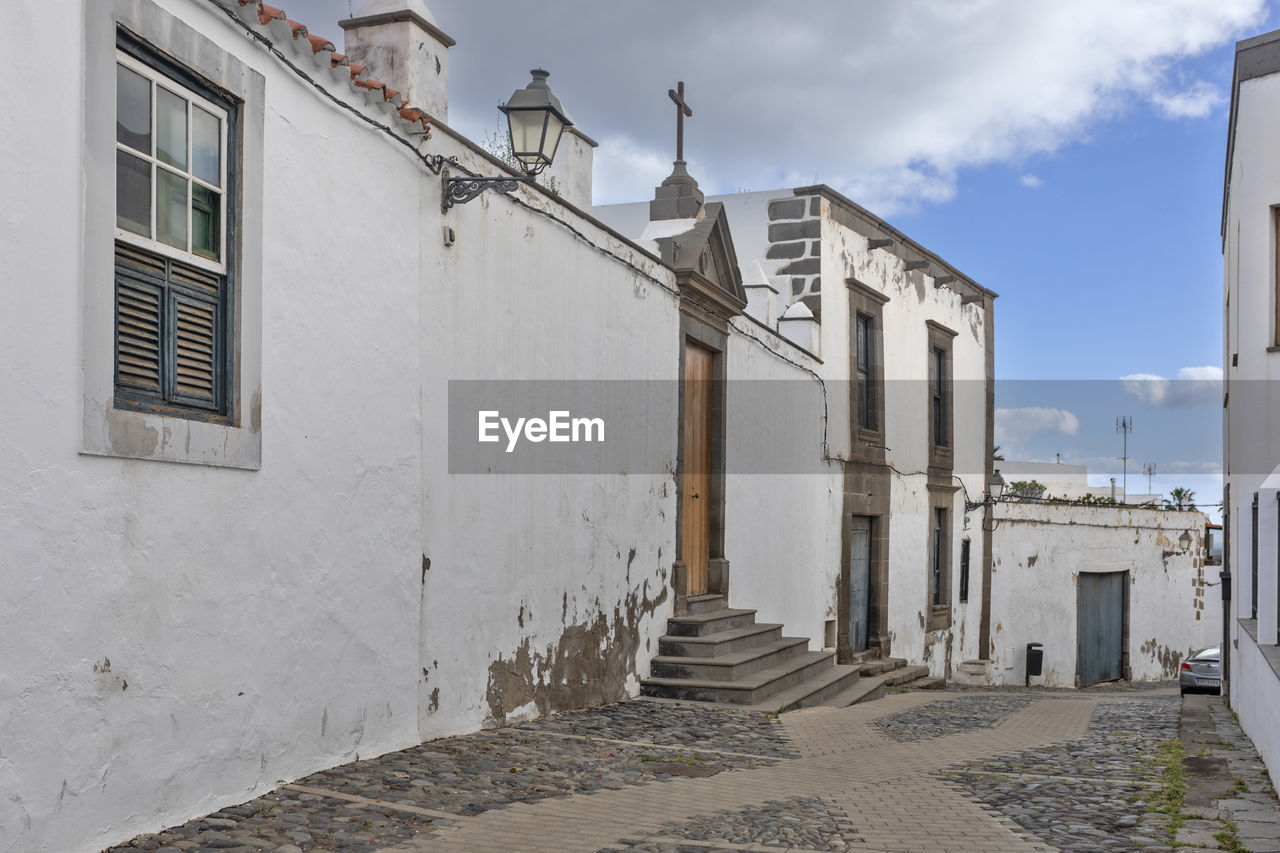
point(694, 330)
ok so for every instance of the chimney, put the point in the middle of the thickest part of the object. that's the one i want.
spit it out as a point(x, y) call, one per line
point(403, 47)
point(799, 326)
point(761, 295)
point(572, 168)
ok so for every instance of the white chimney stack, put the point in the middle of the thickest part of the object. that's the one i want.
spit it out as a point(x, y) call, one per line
point(572, 168)
point(799, 326)
point(402, 46)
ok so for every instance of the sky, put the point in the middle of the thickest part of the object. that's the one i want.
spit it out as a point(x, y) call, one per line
point(1068, 156)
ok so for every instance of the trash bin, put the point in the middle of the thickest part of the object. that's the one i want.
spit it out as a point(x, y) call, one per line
point(1035, 661)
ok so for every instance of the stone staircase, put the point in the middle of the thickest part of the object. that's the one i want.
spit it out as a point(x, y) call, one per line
point(714, 653)
point(894, 672)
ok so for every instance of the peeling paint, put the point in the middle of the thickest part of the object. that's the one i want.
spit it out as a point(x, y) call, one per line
point(589, 664)
point(1169, 659)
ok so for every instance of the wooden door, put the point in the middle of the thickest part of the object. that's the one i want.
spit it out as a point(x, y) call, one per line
point(859, 582)
point(695, 493)
point(1100, 626)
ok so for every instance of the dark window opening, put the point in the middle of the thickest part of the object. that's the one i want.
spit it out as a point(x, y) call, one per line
point(964, 570)
point(938, 389)
point(865, 373)
point(1253, 578)
point(937, 581)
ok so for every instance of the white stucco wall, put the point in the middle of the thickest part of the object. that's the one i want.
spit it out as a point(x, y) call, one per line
point(1041, 549)
point(179, 637)
point(1251, 364)
point(783, 519)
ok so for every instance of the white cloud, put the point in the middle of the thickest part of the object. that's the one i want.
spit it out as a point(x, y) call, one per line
point(1194, 386)
point(844, 90)
point(1195, 101)
point(1014, 426)
point(1031, 182)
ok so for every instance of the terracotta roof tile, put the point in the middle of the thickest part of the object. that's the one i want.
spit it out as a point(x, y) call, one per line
point(360, 79)
point(319, 43)
point(267, 14)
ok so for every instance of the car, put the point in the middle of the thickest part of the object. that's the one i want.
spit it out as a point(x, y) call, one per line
point(1202, 672)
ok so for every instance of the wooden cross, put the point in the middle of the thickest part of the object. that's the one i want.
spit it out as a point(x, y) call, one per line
point(682, 110)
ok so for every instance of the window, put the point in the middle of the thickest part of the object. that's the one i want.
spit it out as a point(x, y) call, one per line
point(1253, 574)
point(1275, 224)
point(939, 402)
point(866, 373)
point(938, 394)
point(964, 570)
point(937, 584)
point(172, 282)
point(866, 370)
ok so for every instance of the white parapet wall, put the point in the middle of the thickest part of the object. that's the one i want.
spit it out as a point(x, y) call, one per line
point(1041, 551)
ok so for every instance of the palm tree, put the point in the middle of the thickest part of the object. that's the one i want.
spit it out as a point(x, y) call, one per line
point(1180, 498)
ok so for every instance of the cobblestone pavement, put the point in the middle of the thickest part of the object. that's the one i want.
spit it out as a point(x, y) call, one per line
point(950, 716)
point(1087, 794)
point(929, 771)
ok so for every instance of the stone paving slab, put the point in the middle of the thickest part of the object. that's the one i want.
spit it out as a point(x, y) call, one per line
point(811, 780)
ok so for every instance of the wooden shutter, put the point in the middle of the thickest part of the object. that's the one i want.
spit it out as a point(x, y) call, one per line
point(170, 327)
point(196, 323)
point(139, 303)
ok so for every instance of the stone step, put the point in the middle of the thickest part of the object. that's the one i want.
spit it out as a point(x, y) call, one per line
point(864, 656)
point(865, 689)
point(904, 674)
point(704, 603)
point(702, 624)
point(731, 666)
point(751, 689)
point(882, 665)
point(929, 682)
point(811, 692)
point(721, 642)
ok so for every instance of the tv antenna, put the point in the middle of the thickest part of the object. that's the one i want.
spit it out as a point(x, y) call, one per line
point(1124, 426)
point(1150, 470)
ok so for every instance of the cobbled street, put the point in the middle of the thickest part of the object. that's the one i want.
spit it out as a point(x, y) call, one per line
point(965, 770)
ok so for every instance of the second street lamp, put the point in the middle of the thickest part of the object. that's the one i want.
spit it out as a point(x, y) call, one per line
point(535, 122)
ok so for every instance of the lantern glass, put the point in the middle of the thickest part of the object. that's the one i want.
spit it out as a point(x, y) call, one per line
point(536, 121)
point(1185, 540)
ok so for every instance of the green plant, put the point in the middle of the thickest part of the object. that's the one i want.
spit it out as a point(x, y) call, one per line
point(1168, 798)
point(1239, 787)
point(1228, 839)
point(1025, 489)
point(1181, 499)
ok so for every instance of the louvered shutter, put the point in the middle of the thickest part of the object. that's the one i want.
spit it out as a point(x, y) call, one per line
point(139, 322)
point(170, 331)
point(194, 307)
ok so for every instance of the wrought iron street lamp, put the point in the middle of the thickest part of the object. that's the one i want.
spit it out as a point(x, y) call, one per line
point(535, 122)
point(995, 490)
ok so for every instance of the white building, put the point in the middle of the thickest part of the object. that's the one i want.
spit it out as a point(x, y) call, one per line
point(1109, 592)
point(909, 455)
point(1251, 404)
point(249, 527)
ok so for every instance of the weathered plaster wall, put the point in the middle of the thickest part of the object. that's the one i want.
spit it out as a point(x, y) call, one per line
point(544, 592)
point(1040, 551)
point(913, 299)
point(179, 637)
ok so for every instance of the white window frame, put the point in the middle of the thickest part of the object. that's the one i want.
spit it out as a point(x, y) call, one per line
point(161, 81)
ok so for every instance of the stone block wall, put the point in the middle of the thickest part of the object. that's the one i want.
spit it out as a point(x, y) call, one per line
point(795, 249)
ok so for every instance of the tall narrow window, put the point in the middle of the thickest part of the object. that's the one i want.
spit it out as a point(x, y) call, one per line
point(1253, 575)
point(866, 373)
point(1275, 222)
point(171, 272)
point(938, 385)
point(937, 583)
point(964, 570)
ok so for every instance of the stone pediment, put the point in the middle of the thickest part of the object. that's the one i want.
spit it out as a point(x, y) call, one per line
point(705, 262)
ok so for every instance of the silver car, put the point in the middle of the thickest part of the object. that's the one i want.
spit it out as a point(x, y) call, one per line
point(1202, 672)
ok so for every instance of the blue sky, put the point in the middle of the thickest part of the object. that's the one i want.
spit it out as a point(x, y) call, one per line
point(1067, 156)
